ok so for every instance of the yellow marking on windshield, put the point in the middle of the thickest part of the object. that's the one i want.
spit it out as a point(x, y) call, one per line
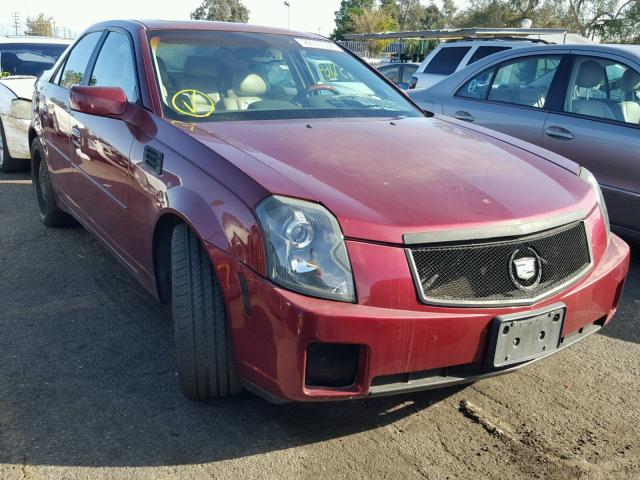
point(186, 103)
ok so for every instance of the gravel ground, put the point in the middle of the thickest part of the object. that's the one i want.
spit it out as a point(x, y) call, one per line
point(88, 390)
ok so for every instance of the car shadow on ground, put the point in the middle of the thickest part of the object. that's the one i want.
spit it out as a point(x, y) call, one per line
point(87, 370)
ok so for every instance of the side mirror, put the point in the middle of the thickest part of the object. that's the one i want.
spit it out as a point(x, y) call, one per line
point(101, 101)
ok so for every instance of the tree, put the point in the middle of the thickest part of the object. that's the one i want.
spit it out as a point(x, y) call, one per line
point(41, 26)
point(221, 11)
point(374, 20)
point(344, 16)
point(617, 20)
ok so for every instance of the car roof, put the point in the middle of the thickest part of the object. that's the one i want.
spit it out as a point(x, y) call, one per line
point(620, 49)
point(491, 43)
point(34, 39)
point(200, 25)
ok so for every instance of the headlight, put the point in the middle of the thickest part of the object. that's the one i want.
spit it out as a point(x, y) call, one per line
point(588, 177)
point(21, 109)
point(305, 248)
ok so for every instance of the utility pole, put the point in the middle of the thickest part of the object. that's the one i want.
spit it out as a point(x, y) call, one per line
point(16, 21)
point(288, 5)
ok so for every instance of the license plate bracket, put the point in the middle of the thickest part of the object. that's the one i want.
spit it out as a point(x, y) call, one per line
point(521, 337)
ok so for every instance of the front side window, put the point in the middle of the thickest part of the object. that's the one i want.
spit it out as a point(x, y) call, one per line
point(446, 61)
point(224, 76)
point(114, 66)
point(78, 60)
point(28, 58)
point(525, 81)
point(604, 89)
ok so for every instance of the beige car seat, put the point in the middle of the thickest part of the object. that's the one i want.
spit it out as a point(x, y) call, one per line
point(247, 88)
point(590, 75)
point(630, 107)
point(200, 73)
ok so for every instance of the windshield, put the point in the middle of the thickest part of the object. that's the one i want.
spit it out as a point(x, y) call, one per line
point(28, 58)
point(222, 76)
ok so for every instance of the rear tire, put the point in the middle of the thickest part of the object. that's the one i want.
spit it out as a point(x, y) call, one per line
point(7, 162)
point(46, 205)
point(206, 368)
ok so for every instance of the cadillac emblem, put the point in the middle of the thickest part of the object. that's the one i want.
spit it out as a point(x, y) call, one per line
point(525, 268)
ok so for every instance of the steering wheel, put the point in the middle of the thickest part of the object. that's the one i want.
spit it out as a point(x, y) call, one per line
point(313, 88)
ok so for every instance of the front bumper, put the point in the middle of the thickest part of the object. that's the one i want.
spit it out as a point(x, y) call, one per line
point(16, 131)
point(403, 346)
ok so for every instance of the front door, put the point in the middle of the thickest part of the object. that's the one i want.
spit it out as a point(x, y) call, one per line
point(599, 128)
point(100, 148)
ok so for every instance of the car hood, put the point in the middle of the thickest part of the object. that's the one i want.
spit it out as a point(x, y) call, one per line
point(20, 85)
point(384, 178)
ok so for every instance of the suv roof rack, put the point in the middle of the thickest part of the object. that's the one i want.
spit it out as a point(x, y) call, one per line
point(500, 39)
point(461, 33)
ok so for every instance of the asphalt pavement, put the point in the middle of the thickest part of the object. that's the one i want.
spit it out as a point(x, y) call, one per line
point(88, 389)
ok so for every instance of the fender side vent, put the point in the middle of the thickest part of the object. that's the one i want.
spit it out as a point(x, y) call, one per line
point(153, 159)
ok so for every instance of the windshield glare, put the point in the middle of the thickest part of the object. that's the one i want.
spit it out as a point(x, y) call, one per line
point(216, 76)
point(28, 58)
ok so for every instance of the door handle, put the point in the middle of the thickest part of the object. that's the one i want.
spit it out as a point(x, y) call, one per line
point(465, 116)
point(559, 133)
point(75, 136)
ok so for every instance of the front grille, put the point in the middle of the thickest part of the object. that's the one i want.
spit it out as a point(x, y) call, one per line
point(485, 273)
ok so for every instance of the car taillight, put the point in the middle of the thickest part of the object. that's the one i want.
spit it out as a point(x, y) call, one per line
point(414, 82)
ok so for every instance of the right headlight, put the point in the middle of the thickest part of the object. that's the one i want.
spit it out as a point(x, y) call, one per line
point(588, 177)
point(305, 248)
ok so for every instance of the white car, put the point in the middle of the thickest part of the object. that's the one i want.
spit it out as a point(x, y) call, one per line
point(449, 57)
point(22, 60)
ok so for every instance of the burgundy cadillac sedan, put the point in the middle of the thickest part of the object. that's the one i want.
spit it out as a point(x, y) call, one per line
point(317, 236)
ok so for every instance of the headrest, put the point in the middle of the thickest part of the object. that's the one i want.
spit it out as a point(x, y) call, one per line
point(249, 85)
point(527, 71)
point(630, 81)
point(200, 66)
point(591, 74)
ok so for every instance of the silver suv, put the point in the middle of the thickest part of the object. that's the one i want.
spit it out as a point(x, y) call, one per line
point(448, 58)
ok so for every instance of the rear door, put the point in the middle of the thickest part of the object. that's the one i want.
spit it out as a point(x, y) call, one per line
point(511, 97)
point(100, 146)
point(598, 126)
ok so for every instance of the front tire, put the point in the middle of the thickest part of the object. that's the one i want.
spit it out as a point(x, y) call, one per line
point(50, 214)
point(206, 368)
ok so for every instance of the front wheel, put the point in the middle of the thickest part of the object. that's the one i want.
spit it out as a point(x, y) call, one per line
point(50, 214)
point(206, 368)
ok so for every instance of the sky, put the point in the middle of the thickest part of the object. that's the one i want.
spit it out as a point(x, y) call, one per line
point(306, 15)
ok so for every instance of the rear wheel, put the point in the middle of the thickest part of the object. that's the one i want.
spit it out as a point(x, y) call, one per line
point(7, 162)
point(50, 213)
point(206, 367)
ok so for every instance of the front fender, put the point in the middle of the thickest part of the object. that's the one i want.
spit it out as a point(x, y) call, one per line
point(220, 219)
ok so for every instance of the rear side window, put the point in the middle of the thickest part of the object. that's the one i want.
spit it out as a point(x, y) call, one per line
point(478, 85)
point(482, 52)
point(408, 72)
point(115, 67)
point(446, 60)
point(392, 73)
point(78, 60)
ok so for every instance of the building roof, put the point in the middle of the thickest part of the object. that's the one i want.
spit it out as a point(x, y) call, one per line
point(33, 39)
point(458, 33)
